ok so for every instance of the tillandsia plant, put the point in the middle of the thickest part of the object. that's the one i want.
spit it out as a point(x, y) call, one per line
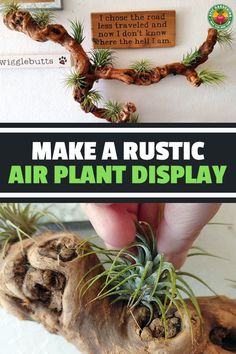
point(144, 278)
point(125, 302)
point(17, 223)
point(99, 64)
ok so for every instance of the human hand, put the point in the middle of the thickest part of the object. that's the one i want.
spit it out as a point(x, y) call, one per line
point(176, 232)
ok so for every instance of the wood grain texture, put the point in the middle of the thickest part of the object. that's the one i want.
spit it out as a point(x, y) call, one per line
point(141, 29)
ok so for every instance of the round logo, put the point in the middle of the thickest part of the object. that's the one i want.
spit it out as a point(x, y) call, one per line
point(220, 17)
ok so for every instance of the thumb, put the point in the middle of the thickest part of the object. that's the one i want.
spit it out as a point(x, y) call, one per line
point(179, 228)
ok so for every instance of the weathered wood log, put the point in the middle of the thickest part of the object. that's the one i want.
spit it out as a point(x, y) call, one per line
point(39, 280)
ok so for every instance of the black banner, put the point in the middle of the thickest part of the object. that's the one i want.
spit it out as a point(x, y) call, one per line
point(116, 163)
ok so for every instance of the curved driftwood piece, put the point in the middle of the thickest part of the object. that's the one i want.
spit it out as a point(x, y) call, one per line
point(22, 21)
point(41, 278)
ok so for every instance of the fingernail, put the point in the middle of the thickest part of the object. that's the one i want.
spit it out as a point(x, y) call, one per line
point(177, 260)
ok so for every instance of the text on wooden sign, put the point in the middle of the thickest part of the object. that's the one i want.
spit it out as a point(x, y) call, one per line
point(146, 29)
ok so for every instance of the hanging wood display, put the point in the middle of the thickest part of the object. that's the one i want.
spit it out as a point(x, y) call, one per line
point(98, 64)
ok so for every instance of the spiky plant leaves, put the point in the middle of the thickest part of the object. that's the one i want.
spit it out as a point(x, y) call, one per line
point(113, 110)
point(143, 278)
point(75, 79)
point(43, 17)
point(191, 57)
point(190, 275)
point(225, 37)
point(209, 77)
point(92, 98)
point(142, 66)
point(198, 251)
point(17, 223)
point(133, 119)
point(101, 58)
point(9, 7)
point(77, 30)
point(232, 283)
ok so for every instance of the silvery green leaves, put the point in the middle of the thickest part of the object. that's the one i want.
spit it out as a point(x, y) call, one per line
point(210, 77)
point(142, 278)
point(77, 30)
point(191, 57)
point(17, 222)
point(101, 58)
point(42, 17)
point(225, 37)
point(9, 7)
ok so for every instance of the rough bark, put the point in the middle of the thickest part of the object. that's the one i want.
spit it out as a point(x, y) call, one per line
point(22, 21)
point(39, 281)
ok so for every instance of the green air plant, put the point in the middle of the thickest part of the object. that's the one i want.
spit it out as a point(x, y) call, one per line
point(75, 79)
point(42, 17)
point(113, 110)
point(142, 278)
point(191, 57)
point(9, 7)
point(134, 118)
point(92, 98)
point(225, 37)
point(211, 77)
point(142, 66)
point(102, 58)
point(17, 223)
point(77, 29)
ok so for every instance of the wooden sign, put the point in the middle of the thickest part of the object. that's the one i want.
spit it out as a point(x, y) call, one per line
point(146, 29)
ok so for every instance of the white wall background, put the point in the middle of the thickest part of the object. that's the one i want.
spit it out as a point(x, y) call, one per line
point(22, 337)
point(40, 95)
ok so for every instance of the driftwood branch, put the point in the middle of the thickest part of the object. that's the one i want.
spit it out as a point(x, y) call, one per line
point(22, 21)
point(41, 279)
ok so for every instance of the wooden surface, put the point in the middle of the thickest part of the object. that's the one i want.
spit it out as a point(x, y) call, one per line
point(141, 29)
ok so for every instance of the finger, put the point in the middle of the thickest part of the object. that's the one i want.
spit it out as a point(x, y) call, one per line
point(179, 228)
point(148, 212)
point(113, 223)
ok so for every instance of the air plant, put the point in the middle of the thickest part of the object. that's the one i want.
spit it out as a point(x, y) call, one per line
point(75, 79)
point(225, 37)
point(113, 110)
point(211, 77)
point(102, 58)
point(77, 29)
point(142, 66)
point(134, 118)
point(43, 17)
point(92, 98)
point(191, 57)
point(9, 7)
point(142, 278)
point(17, 223)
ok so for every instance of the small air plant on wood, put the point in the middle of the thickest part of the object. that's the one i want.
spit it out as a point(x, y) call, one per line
point(99, 64)
point(120, 302)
